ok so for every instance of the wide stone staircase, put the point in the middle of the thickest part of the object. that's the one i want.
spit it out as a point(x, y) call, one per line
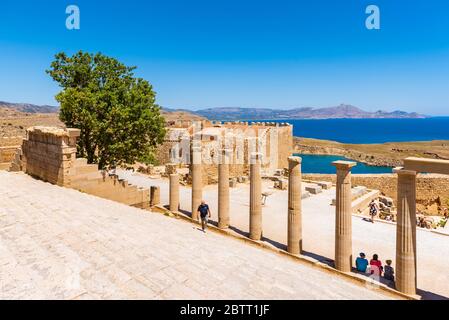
point(58, 243)
point(87, 178)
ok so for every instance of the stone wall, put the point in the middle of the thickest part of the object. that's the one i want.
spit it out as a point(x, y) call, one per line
point(432, 191)
point(285, 146)
point(49, 154)
point(238, 135)
point(7, 156)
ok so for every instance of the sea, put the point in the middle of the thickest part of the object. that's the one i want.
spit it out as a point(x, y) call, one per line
point(365, 131)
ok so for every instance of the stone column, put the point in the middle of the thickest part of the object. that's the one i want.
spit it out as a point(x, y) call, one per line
point(294, 232)
point(223, 190)
point(406, 232)
point(255, 205)
point(197, 181)
point(174, 192)
point(343, 220)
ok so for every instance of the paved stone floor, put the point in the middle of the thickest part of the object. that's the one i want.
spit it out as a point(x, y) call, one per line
point(57, 243)
point(318, 230)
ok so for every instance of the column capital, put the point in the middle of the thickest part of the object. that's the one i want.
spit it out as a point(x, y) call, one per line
point(402, 171)
point(295, 159)
point(344, 165)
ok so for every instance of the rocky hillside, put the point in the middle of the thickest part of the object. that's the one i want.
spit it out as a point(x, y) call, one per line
point(28, 107)
point(15, 118)
point(174, 115)
point(13, 124)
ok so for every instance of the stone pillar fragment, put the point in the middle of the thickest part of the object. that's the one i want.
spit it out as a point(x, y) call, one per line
point(294, 232)
point(197, 181)
point(343, 216)
point(406, 232)
point(223, 190)
point(155, 196)
point(174, 192)
point(255, 206)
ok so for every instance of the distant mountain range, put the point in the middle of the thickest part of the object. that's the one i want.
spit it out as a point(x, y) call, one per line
point(230, 114)
point(29, 108)
point(341, 111)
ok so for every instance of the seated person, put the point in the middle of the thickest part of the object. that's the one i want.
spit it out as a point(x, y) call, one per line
point(361, 263)
point(389, 271)
point(376, 265)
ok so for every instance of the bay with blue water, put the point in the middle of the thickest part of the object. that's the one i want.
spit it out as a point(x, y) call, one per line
point(365, 131)
point(323, 164)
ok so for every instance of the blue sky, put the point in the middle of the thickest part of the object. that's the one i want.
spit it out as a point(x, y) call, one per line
point(216, 53)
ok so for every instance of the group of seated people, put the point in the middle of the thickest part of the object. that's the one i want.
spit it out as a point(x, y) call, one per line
point(374, 267)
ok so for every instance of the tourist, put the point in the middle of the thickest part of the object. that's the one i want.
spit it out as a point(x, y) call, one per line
point(376, 265)
point(373, 210)
point(361, 263)
point(389, 271)
point(204, 212)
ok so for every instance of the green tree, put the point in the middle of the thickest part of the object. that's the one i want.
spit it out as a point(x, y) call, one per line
point(116, 112)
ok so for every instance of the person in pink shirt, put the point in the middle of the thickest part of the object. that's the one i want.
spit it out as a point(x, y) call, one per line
point(376, 265)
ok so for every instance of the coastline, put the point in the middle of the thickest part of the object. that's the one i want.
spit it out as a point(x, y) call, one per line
point(389, 154)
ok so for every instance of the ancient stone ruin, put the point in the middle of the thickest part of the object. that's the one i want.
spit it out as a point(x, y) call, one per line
point(49, 154)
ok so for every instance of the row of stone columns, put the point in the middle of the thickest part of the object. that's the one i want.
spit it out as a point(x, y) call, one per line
point(294, 226)
point(406, 213)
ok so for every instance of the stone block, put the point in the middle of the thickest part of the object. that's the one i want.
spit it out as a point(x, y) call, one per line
point(314, 189)
point(325, 185)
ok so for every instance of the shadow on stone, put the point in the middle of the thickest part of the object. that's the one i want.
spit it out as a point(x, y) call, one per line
point(319, 258)
point(240, 232)
point(427, 295)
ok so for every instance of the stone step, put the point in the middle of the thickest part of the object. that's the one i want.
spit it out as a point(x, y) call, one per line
point(87, 176)
point(79, 162)
point(84, 169)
